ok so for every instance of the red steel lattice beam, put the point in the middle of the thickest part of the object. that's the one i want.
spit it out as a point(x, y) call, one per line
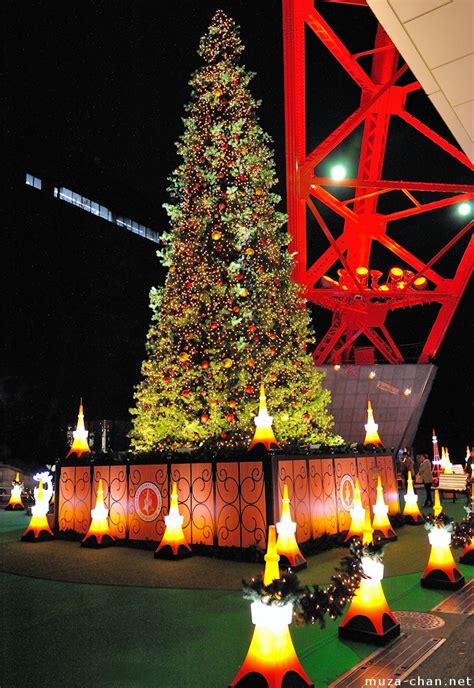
point(359, 309)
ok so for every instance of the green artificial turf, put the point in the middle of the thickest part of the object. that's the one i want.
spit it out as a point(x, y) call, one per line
point(77, 635)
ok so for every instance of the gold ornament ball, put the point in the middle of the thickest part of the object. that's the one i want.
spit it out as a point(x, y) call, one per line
point(244, 292)
point(249, 251)
point(217, 93)
point(228, 362)
point(216, 236)
point(183, 356)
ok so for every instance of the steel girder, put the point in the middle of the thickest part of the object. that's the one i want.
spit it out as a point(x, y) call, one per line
point(358, 309)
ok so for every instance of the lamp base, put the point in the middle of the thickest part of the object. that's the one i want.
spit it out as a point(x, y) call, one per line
point(412, 521)
point(467, 558)
point(255, 680)
point(361, 629)
point(42, 536)
point(300, 563)
point(15, 507)
point(166, 552)
point(380, 537)
point(439, 580)
point(93, 543)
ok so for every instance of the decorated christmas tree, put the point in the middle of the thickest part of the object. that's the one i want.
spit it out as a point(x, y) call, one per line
point(228, 318)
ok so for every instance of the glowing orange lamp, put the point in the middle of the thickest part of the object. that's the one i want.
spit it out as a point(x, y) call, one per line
point(448, 466)
point(271, 656)
point(263, 432)
point(99, 535)
point(381, 524)
point(173, 545)
point(80, 434)
point(411, 513)
point(437, 507)
point(369, 618)
point(371, 428)
point(441, 570)
point(15, 503)
point(357, 512)
point(38, 529)
point(287, 546)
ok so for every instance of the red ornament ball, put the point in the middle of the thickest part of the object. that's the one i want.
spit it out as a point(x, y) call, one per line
point(229, 417)
point(185, 393)
point(214, 325)
point(204, 417)
point(250, 389)
point(205, 364)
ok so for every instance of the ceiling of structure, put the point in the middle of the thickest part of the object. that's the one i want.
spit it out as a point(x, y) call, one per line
point(436, 38)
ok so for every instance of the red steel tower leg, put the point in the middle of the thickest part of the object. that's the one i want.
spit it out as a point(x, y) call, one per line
point(359, 303)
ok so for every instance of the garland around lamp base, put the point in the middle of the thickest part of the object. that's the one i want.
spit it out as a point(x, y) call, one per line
point(467, 555)
point(271, 656)
point(369, 618)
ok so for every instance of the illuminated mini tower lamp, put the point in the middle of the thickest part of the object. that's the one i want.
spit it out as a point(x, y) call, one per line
point(446, 465)
point(371, 428)
point(441, 571)
point(38, 529)
point(357, 512)
point(99, 535)
point(369, 618)
point(411, 513)
point(15, 503)
point(80, 434)
point(173, 545)
point(271, 656)
point(287, 546)
point(263, 437)
point(437, 506)
point(436, 458)
point(467, 555)
point(381, 524)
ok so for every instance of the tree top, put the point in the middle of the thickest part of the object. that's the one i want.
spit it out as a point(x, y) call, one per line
point(221, 41)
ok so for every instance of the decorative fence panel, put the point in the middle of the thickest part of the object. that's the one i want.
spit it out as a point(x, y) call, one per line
point(227, 503)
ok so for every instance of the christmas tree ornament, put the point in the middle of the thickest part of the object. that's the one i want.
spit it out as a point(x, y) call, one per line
point(287, 546)
point(15, 502)
point(173, 545)
point(99, 534)
point(80, 445)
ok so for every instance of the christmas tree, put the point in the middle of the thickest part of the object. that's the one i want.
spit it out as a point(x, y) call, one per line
point(228, 318)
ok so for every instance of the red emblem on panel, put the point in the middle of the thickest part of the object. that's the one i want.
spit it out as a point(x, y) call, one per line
point(148, 502)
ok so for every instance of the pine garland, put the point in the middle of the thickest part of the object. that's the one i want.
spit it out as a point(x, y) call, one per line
point(311, 602)
point(463, 532)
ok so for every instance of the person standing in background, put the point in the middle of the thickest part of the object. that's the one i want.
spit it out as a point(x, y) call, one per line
point(427, 477)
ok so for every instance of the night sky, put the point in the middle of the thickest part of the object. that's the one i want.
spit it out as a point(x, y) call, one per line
point(95, 92)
